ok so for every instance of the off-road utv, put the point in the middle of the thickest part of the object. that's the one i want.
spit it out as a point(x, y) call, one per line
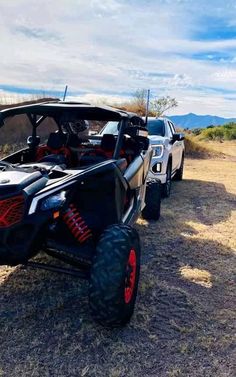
point(77, 200)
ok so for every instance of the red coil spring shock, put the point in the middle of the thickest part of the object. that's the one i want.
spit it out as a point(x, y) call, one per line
point(76, 224)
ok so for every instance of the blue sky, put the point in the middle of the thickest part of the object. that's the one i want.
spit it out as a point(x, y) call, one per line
point(108, 49)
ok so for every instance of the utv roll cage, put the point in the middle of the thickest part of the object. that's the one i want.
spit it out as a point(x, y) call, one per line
point(62, 112)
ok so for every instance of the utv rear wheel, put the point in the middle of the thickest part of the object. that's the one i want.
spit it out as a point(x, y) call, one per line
point(114, 276)
point(179, 174)
point(152, 209)
point(166, 187)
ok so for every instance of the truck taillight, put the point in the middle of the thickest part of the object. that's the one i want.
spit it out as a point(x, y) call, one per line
point(11, 211)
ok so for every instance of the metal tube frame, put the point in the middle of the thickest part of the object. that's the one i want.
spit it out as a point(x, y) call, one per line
point(61, 270)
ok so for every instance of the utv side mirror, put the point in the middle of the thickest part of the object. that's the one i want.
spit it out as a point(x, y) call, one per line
point(177, 137)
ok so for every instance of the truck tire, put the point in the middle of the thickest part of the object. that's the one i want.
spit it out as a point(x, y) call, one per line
point(166, 187)
point(114, 276)
point(179, 173)
point(152, 209)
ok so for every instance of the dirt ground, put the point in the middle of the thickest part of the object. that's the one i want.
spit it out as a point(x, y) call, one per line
point(185, 318)
point(226, 147)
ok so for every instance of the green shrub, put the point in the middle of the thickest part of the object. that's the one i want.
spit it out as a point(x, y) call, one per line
point(196, 131)
point(225, 132)
point(230, 125)
point(230, 134)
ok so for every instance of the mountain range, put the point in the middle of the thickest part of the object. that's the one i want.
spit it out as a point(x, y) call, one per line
point(199, 121)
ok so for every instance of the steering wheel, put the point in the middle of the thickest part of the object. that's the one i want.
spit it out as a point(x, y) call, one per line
point(93, 156)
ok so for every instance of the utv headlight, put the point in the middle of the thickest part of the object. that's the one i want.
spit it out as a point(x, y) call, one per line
point(158, 150)
point(54, 201)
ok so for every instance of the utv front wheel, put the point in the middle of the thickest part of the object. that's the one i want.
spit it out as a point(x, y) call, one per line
point(114, 276)
point(152, 209)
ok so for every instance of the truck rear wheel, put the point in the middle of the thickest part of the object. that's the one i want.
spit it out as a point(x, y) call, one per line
point(114, 276)
point(152, 209)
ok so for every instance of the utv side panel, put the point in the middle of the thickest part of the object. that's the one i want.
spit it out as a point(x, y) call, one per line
point(135, 173)
point(102, 195)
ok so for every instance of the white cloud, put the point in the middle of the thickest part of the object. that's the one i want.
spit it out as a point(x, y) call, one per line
point(205, 105)
point(112, 47)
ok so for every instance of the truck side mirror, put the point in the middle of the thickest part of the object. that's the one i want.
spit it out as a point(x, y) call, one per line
point(177, 137)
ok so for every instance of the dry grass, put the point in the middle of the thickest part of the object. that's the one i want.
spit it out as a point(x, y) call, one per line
point(226, 147)
point(196, 149)
point(201, 277)
point(180, 327)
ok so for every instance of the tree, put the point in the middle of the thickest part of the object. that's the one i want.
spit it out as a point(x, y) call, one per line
point(139, 101)
point(160, 105)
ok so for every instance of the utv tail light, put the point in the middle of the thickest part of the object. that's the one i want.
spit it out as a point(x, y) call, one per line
point(11, 211)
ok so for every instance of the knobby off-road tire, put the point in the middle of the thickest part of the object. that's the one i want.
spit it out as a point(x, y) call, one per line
point(166, 187)
point(179, 173)
point(152, 209)
point(114, 276)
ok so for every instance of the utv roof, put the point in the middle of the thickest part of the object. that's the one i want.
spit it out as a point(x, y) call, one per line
point(77, 110)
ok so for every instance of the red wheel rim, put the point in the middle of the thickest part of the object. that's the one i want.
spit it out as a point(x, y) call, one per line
point(130, 276)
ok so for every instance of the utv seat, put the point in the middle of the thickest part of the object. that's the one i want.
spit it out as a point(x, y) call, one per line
point(55, 147)
point(106, 150)
point(108, 144)
point(128, 148)
point(99, 153)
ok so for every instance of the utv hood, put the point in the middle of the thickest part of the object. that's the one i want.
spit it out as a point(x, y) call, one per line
point(14, 181)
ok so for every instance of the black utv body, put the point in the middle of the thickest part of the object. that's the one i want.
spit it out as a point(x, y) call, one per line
point(78, 200)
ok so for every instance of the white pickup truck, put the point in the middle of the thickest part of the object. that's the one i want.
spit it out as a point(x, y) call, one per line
point(168, 152)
